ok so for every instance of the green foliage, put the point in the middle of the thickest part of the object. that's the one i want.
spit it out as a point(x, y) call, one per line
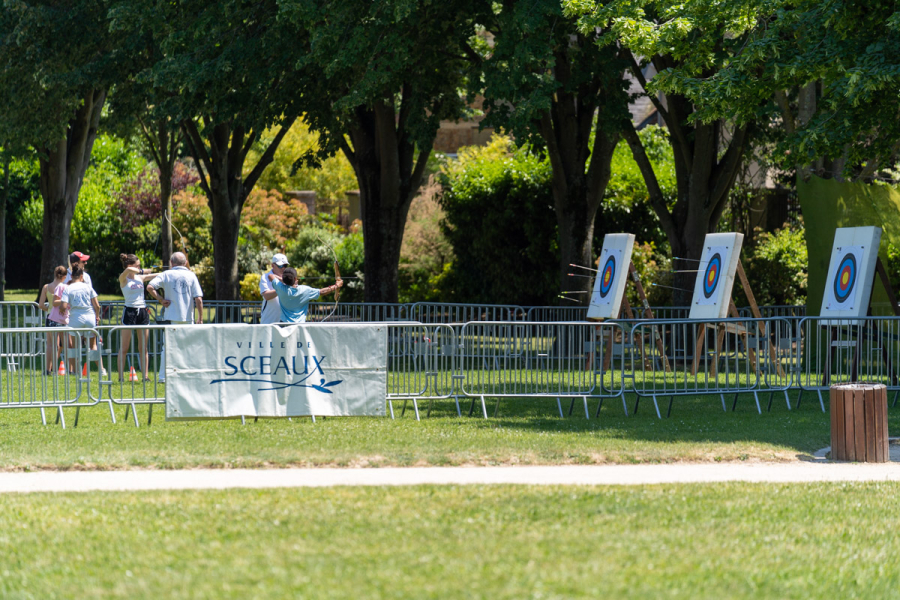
point(778, 267)
point(653, 266)
point(502, 227)
point(331, 181)
point(22, 247)
point(250, 286)
point(626, 205)
point(426, 254)
point(310, 253)
point(96, 226)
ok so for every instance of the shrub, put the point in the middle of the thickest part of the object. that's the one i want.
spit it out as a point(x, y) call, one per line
point(331, 181)
point(250, 287)
point(138, 201)
point(502, 227)
point(654, 267)
point(426, 251)
point(268, 220)
point(778, 267)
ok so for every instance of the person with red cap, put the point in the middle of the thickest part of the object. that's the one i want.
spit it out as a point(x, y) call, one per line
point(78, 259)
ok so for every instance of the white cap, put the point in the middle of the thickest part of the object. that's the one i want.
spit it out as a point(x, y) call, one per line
point(280, 260)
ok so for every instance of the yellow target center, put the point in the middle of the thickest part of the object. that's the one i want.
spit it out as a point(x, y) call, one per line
point(712, 276)
point(845, 278)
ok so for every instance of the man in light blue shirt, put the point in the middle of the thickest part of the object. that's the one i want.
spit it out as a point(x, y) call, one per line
point(293, 298)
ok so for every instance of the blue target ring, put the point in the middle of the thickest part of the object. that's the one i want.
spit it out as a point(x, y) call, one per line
point(845, 278)
point(711, 275)
point(607, 276)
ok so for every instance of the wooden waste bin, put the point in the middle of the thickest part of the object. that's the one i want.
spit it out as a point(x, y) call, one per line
point(859, 422)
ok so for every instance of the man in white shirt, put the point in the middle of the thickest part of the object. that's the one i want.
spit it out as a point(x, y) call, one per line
point(78, 258)
point(271, 309)
point(183, 294)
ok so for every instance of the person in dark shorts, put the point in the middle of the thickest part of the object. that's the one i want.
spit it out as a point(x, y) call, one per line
point(55, 316)
point(132, 283)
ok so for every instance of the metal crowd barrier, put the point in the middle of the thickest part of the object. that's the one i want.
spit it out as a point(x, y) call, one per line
point(439, 312)
point(21, 314)
point(48, 367)
point(724, 356)
point(421, 364)
point(540, 360)
point(846, 350)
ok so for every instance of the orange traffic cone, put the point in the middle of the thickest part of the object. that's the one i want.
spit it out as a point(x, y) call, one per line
point(84, 370)
point(62, 368)
point(132, 376)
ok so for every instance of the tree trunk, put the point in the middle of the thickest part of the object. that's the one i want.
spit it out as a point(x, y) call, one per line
point(389, 175)
point(165, 203)
point(220, 165)
point(4, 201)
point(62, 169)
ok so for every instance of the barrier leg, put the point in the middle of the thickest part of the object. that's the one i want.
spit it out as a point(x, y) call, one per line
point(787, 400)
point(431, 403)
point(61, 416)
point(243, 421)
point(313, 418)
point(655, 405)
point(134, 415)
point(894, 403)
point(637, 401)
point(756, 397)
point(559, 406)
point(416, 408)
point(586, 414)
point(734, 404)
point(599, 406)
point(150, 415)
point(722, 396)
point(403, 411)
point(483, 408)
point(456, 401)
point(127, 411)
point(571, 407)
point(112, 413)
point(472, 406)
point(391, 407)
point(624, 404)
point(669, 412)
point(799, 398)
point(77, 414)
point(43, 416)
point(56, 422)
point(821, 402)
point(497, 408)
point(771, 397)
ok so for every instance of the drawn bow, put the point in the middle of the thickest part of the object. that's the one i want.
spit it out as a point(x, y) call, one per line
point(337, 275)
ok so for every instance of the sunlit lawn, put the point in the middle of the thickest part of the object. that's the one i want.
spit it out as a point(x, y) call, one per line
point(674, 541)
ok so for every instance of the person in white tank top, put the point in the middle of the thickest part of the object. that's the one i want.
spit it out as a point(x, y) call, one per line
point(131, 281)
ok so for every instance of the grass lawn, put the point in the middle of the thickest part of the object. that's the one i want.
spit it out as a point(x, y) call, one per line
point(524, 432)
point(681, 541)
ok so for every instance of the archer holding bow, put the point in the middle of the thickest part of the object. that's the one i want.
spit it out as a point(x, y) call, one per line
point(294, 298)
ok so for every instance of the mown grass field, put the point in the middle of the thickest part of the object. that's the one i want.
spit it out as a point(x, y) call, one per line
point(525, 431)
point(674, 541)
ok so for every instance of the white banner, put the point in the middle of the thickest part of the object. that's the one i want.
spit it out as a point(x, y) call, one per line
point(218, 371)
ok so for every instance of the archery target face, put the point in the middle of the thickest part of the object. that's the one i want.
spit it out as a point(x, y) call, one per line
point(608, 274)
point(715, 275)
point(611, 276)
point(851, 271)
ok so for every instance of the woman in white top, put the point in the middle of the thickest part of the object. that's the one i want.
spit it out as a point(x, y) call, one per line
point(132, 283)
point(55, 317)
point(80, 301)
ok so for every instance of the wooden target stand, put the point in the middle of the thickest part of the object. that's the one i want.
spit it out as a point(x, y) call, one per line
point(736, 329)
point(627, 312)
point(880, 272)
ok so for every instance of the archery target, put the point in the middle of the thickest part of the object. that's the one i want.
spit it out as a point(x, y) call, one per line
point(851, 271)
point(715, 275)
point(607, 275)
point(711, 275)
point(611, 276)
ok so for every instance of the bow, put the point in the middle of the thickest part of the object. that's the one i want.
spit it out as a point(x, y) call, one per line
point(337, 275)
